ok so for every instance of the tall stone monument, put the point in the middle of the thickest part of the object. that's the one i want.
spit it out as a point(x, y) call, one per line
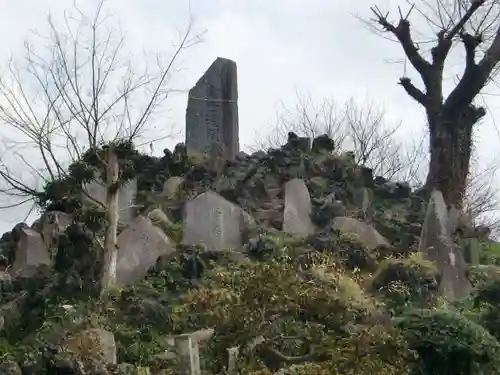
point(212, 110)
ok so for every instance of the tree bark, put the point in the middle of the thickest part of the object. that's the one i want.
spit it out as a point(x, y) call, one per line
point(450, 152)
point(112, 208)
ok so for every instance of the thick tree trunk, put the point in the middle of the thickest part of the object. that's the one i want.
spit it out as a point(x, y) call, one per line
point(112, 208)
point(450, 152)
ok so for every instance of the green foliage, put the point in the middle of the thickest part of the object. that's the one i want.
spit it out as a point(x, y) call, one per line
point(371, 350)
point(304, 297)
point(482, 273)
point(64, 193)
point(318, 186)
point(137, 345)
point(174, 231)
point(353, 254)
point(242, 301)
point(487, 305)
point(270, 244)
point(450, 344)
point(78, 262)
point(196, 158)
point(405, 282)
point(60, 195)
point(490, 253)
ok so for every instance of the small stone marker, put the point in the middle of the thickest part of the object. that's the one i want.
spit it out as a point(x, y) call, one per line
point(232, 359)
point(437, 245)
point(189, 352)
point(211, 220)
point(297, 211)
point(188, 348)
point(212, 110)
point(31, 251)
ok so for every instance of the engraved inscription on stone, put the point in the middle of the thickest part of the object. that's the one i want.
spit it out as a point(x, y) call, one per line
point(218, 222)
point(212, 110)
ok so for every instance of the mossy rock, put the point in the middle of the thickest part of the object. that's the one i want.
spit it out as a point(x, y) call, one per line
point(405, 282)
point(354, 254)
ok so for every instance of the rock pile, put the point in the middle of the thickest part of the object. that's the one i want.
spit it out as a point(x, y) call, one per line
point(194, 211)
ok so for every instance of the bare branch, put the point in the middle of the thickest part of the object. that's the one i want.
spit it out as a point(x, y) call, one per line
point(412, 90)
point(363, 129)
point(402, 33)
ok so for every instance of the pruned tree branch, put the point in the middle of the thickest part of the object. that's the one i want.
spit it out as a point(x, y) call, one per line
point(412, 90)
point(402, 32)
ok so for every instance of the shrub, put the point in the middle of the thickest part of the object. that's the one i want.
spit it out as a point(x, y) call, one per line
point(270, 299)
point(482, 273)
point(405, 282)
point(490, 253)
point(376, 350)
point(450, 344)
point(487, 306)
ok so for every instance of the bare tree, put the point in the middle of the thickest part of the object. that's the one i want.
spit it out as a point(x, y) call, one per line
point(308, 119)
point(450, 120)
point(364, 129)
point(411, 161)
point(372, 139)
point(79, 92)
point(482, 201)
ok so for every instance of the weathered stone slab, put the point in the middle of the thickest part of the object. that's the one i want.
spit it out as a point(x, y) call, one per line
point(159, 218)
point(97, 190)
point(366, 233)
point(211, 220)
point(297, 211)
point(460, 223)
point(436, 245)
point(232, 359)
point(171, 186)
point(362, 198)
point(189, 352)
point(212, 110)
point(52, 224)
point(139, 246)
point(323, 143)
point(217, 157)
point(31, 250)
point(471, 250)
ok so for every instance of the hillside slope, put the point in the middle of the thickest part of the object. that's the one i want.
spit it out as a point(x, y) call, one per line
point(297, 257)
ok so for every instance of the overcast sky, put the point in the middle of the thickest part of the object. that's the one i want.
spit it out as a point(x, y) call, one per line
point(315, 46)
